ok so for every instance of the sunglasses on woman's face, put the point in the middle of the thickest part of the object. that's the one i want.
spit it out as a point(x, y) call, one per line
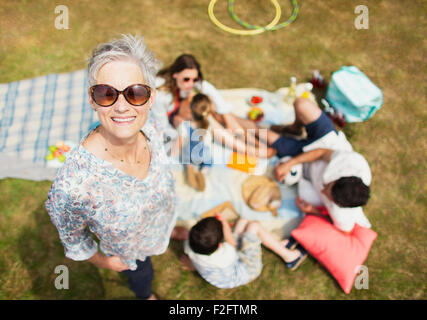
point(186, 79)
point(105, 95)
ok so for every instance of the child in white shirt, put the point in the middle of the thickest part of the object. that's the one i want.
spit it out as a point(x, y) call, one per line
point(229, 259)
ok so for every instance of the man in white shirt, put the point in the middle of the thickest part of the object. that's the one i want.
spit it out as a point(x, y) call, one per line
point(334, 175)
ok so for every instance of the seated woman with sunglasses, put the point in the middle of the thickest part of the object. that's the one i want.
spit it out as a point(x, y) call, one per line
point(116, 183)
point(177, 84)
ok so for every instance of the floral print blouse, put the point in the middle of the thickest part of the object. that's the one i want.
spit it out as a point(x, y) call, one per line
point(131, 218)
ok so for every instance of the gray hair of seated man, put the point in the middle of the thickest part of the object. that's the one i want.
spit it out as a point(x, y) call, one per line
point(128, 47)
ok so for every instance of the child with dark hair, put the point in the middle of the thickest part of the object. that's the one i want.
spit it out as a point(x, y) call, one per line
point(336, 179)
point(206, 236)
point(350, 192)
point(226, 258)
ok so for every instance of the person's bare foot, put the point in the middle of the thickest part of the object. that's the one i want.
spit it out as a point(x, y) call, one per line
point(153, 297)
point(179, 233)
point(195, 178)
point(201, 185)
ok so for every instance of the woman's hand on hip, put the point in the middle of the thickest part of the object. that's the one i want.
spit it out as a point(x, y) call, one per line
point(115, 263)
point(112, 263)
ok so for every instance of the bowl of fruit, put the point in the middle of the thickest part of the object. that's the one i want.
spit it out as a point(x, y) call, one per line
point(256, 100)
point(256, 114)
point(57, 153)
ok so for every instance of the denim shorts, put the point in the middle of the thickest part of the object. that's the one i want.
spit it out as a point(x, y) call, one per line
point(250, 254)
point(288, 146)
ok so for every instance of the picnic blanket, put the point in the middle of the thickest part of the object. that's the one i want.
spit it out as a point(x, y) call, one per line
point(39, 112)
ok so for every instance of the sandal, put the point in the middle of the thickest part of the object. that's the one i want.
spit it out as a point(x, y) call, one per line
point(293, 265)
point(292, 243)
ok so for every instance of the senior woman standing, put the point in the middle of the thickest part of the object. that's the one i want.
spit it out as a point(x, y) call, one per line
point(117, 183)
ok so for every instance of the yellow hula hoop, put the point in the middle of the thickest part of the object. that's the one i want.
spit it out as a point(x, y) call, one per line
point(244, 32)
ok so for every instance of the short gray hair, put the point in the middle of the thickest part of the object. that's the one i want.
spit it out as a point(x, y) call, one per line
point(128, 47)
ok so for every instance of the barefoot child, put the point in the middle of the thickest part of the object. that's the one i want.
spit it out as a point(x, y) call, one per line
point(229, 259)
point(196, 137)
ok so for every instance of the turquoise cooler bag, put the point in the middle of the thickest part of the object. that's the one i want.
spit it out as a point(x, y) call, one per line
point(353, 94)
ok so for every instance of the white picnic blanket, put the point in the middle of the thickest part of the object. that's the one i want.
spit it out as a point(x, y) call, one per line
point(224, 184)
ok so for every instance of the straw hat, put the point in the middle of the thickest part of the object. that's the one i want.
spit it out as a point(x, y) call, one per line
point(261, 194)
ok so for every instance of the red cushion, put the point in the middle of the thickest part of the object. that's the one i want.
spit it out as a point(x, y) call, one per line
point(340, 253)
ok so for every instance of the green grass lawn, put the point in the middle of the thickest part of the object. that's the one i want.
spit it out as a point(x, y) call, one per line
point(391, 52)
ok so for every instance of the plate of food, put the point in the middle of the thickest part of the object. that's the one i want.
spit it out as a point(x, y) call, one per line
point(57, 153)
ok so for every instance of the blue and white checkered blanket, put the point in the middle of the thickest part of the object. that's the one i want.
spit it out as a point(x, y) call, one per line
point(39, 112)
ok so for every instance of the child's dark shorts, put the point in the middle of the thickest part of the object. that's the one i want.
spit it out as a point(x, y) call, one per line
point(288, 146)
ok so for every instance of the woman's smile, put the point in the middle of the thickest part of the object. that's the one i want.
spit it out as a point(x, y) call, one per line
point(123, 121)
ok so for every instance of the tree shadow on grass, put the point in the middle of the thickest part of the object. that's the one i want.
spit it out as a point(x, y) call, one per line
point(41, 252)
